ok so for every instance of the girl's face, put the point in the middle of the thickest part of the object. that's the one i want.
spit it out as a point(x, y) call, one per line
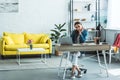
point(78, 27)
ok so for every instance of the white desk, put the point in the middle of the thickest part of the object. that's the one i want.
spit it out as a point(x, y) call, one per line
point(83, 47)
point(27, 50)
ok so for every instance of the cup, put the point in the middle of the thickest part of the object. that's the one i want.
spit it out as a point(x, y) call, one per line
point(97, 40)
point(116, 49)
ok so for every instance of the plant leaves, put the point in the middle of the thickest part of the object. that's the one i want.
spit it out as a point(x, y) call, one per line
point(62, 36)
point(57, 32)
point(57, 27)
point(62, 30)
point(62, 25)
point(52, 34)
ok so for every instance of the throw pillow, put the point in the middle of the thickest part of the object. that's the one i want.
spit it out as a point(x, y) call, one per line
point(8, 40)
point(44, 39)
point(34, 37)
point(18, 38)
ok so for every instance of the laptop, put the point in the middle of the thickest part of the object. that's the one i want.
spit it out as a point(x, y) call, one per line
point(66, 40)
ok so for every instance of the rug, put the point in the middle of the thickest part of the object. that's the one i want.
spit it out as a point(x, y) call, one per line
point(32, 63)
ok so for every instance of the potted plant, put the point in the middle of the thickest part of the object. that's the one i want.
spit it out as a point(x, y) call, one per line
point(57, 33)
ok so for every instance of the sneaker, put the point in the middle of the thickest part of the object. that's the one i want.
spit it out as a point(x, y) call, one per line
point(79, 75)
point(73, 77)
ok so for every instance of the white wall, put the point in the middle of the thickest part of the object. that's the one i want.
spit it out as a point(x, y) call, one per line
point(113, 14)
point(113, 21)
point(110, 35)
point(35, 16)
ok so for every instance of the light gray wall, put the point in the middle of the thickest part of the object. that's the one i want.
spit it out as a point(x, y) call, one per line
point(110, 35)
point(35, 16)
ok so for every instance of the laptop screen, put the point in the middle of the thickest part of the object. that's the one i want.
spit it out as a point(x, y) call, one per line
point(66, 40)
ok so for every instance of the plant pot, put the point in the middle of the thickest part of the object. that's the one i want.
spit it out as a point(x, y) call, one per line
point(97, 40)
point(58, 53)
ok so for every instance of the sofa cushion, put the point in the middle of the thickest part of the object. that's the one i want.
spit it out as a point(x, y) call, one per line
point(8, 40)
point(44, 39)
point(17, 38)
point(34, 37)
point(15, 47)
point(41, 46)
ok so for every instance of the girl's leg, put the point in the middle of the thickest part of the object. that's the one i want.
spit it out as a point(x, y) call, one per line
point(73, 70)
point(79, 72)
point(78, 69)
point(74, 62)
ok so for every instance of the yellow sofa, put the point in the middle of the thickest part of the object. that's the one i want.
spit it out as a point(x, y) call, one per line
point(10, 42)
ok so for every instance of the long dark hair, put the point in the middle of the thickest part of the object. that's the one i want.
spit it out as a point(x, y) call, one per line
point(77, 23)
point(76, 30)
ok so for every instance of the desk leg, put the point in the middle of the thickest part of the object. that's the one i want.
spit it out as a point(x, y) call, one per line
point(98, 59)
point(68, 53)
point(110, 54)
point(105, 67)
point(60, 65)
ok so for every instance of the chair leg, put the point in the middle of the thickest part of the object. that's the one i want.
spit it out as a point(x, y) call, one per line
point(82, 70)
point(110, 55)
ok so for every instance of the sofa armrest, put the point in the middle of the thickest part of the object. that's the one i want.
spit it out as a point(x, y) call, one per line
point(50, 44)
point(2, 44)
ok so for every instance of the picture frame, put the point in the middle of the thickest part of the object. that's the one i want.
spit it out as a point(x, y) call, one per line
point(8, 6)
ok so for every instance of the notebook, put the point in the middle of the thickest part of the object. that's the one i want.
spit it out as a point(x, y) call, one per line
point(66, 40)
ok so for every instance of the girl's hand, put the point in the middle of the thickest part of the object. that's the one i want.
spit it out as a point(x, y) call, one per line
point(80, 32)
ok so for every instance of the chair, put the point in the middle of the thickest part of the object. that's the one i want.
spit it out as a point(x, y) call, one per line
point(113, 52)
point(115, 47)
point(82, 69)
